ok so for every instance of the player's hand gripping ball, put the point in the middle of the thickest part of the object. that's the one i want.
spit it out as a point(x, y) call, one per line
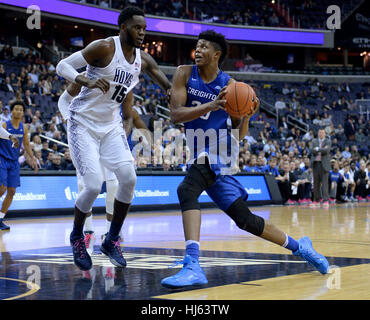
point(241, 100)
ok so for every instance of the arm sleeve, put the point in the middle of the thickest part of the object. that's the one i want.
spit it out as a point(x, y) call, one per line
point(63, 104)
point(3, 133)
point(67, 68)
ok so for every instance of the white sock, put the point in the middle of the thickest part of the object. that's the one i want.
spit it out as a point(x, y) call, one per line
point(2, 215)
point(88, 226)
point(286, 241)
point(191, 241)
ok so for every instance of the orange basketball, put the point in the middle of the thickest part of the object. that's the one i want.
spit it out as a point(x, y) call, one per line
point(241, 99)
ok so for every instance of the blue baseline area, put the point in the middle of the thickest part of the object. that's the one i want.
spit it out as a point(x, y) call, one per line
point(60, 192)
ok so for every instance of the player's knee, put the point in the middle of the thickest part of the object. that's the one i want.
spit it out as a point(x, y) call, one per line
point(126, 176)
point(92, 190)
point(11, 192)
point(244, 218)
point(187, 197)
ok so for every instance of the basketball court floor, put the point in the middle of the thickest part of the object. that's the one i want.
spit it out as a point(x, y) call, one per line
point(37, 264)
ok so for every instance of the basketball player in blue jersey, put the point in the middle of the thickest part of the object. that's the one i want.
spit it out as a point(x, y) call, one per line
point(9, 154)
point(112, 66)
point(197, 101)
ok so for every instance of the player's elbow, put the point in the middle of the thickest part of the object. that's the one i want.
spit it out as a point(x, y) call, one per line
point(175, 117)
point(59, 68)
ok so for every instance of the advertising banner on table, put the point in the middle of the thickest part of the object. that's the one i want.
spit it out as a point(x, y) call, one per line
point(60, 192)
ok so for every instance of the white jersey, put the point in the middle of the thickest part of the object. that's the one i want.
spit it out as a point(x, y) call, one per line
point(96, 110)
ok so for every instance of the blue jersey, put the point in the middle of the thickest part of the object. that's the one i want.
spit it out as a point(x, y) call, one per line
point(6, 149)
point(209, 134)
point(129, 141)
point(334, 176)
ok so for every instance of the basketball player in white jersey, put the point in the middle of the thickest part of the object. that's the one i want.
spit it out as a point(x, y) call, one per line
point(72, 90)
point(94, 131)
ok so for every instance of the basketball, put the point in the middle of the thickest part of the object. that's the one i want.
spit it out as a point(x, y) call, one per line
point(241, 99)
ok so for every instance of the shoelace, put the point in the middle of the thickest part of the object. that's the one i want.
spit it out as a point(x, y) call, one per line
point(87, 240)
point(79, 246)
point(117, 246)
point(176, 263)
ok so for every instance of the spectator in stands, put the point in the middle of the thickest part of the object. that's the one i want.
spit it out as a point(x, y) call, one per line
point(52, 132)
point(280, 104)
point(34, 124)
point(346, 154)
point(37, 145)
point(45, 151)
point(39, 160)
point(28, 116)
point(271, 167)
point(339, 131)
point(142, 163)
point(48, 162)
point(350, 128)
point(67, 161)
point(335, 179)
point(251, 164)
point(56, 163)
point(6, 115)
point(363, 124)
point(2, 73)
point(286, 90)
point(283, 180)
point(360, 178)
point(28, 99)
point(34, 74)
point(7, 86)
point(349, 184)
point(139, 108)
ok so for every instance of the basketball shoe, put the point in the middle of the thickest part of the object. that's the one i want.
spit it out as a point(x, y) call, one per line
point(307, 252)
point(81, 257)
point(190, 275)
point(3, 226)
point(112, 249)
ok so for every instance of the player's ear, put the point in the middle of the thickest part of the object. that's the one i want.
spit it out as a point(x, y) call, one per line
point(217, 54)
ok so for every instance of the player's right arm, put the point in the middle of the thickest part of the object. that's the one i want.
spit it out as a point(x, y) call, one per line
point(180, 113)
point(4, 134)
point(72, 90)
point(98, 53)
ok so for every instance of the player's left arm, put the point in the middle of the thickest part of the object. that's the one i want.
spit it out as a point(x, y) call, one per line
point(127, 112)
point(137, 121)
point(242, 123)
point(29, 151)
point(151, 68)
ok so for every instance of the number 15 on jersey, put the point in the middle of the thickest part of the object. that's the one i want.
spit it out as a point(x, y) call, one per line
point(119, 93)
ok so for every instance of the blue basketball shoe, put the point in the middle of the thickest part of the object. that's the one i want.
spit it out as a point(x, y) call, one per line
point(80, 255)
point(113, 250)
point(3, 226)
point(307, 252)
point(190, 275)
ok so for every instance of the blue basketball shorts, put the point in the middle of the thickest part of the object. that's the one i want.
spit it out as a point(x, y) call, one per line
point(224, 190)
point(9, 173)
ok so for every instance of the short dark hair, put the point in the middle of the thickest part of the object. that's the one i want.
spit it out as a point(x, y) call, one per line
point(218, 41)
point(17, 103)
point(128, 12)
